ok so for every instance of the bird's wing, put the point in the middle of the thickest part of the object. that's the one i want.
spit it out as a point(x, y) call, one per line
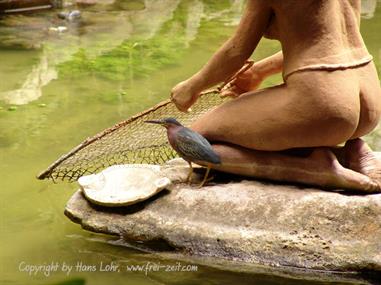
point(195, 147)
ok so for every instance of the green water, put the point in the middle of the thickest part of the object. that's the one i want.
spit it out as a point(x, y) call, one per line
point(58, 88)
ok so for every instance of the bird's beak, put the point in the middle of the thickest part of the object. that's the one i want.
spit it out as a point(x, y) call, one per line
point(159, 122)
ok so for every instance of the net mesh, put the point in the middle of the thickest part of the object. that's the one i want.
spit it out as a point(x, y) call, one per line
point(128, 142)
point(133, 141)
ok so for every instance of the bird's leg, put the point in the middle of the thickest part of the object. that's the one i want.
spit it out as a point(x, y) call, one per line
point(189, 177)
point(205, 177)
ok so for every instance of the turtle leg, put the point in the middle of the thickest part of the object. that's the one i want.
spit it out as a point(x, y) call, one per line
point(189, 177)
point(205, 177)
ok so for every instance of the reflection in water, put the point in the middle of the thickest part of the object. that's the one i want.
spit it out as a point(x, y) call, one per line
point(230, 15)
point(195, 12)
point(97, 33)
point(368, 7)
point(40, 75)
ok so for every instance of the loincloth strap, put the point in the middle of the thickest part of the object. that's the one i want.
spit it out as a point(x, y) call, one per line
point(331, 66)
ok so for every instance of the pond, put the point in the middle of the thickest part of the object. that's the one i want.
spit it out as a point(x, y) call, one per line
point(61, 82)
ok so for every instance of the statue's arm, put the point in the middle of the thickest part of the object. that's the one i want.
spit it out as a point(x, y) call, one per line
point(253, 77)
point(229, 58)
point(233, 54)
point(269, 65)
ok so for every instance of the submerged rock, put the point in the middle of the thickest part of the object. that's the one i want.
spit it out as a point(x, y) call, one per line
point(93, 2)
point(70, 15)
point(250, 221)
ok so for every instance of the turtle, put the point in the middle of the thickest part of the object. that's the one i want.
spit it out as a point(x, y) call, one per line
point(123, 185)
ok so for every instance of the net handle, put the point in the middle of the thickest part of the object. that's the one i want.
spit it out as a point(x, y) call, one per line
point(227, 83)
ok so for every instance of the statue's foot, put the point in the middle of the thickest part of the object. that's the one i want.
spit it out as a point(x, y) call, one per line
point(359, 157)
point(320, 168)
point(325, 170)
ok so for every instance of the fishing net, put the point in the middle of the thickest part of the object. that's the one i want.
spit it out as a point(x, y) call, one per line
point(132, 141)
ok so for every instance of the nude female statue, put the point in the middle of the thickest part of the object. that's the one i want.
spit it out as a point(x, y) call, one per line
point(331, 95)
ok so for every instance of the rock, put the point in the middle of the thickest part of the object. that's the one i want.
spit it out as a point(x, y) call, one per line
point(70, 15)
point(59, 29)
point(250, 221)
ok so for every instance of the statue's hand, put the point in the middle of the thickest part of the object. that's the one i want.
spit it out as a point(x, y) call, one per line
point(244, 82)
point(183, 95)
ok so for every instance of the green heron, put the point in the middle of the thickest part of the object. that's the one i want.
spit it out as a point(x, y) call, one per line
point(191, 146)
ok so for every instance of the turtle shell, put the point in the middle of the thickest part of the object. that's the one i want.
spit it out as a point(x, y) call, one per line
point(122, 185)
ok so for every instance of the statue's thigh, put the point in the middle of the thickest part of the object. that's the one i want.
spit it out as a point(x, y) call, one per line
point(275, 118)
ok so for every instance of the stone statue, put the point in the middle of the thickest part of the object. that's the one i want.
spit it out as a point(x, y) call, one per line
point(309, 128)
